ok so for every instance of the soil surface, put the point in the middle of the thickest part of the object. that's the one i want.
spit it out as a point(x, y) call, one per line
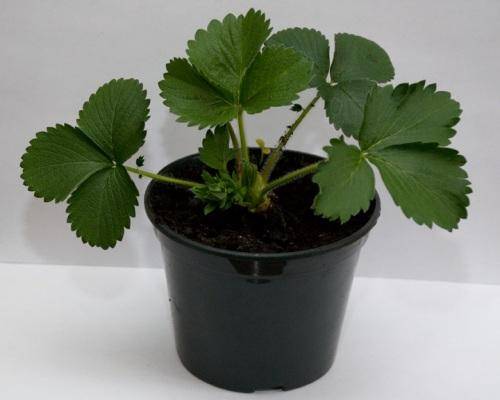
point(289, 225)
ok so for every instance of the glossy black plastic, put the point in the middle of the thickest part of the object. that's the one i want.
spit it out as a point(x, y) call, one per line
point(249, 321)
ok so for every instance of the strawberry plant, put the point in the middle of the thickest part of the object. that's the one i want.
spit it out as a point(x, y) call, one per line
point(236, 67)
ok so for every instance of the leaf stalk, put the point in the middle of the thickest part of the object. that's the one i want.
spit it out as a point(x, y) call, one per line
point(243, 138)
point(162, 178)
point(236, 147)
point(276, 153)
point(290, 177)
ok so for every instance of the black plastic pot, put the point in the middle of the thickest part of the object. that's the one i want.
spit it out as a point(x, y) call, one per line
point(248, 322)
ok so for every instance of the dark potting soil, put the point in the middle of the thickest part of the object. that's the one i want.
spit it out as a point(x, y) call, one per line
point(288, 225)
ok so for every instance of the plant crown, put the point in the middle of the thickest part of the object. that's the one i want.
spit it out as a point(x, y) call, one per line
point(235, 67)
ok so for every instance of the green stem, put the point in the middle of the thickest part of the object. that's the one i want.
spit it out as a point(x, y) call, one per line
point(236, 147)
point(232, 135)
point(275, 155)
point(243, 138)
point(290, 177)
point(162, 178)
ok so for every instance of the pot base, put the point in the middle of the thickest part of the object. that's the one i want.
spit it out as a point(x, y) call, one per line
point(233, 387)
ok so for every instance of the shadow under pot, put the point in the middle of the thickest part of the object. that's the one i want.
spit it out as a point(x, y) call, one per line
point(248, 321)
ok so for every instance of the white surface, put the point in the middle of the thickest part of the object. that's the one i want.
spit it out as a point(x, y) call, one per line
point(105, 333)
point(55, 53)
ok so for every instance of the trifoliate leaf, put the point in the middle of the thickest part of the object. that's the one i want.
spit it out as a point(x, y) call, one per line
point(192, 98)
point(86, 162)
point(426, 181)
point(229, 73)
point(311, 44)
point(345, 104)
point(114, 117)
point(224, 51)
point(358, 58)
point(346, 183)
point(101, 208)
point(215, 151)
point(275, 78)
point(407, 114)
point(59, 160)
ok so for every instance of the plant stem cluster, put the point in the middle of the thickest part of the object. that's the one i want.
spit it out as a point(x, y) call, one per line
point(260, 185)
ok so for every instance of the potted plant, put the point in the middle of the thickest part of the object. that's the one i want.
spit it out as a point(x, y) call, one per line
point(260, 243)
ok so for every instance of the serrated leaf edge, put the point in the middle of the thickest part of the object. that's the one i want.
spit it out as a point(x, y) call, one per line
point(92, 97)
point(39, 195)
point(413, 86)
point(393, 72)
point(130, 213)
point(468, 190)
point(363, 208)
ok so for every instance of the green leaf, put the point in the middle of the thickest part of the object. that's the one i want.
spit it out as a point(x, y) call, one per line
point(101, 208)
point(309, 43)
point(215, 151)
point(275, 78)
point(59, 160)
point(426, 181)
point(229, 73)
point(192, 98)
point(407, 114)
point(346, 182)
point(85, 163)
point(358, 58)
point(224, 51)
point(114, 117)
point(345, 104)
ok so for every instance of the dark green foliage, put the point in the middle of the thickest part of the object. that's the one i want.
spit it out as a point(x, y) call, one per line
point(59, 160)
point(402, 129)
point(345, 104)
point(408, 114)
point(426, 181)
point(215, 151)
point(227, 71)
point(114, 117)
point(346, 182)
point(100, 209)
point(235, 66)
point(356, 57)
point(309, 43)
point(86, 163)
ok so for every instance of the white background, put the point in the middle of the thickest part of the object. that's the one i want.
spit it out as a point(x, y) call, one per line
point(55, 53)
point(92, 333)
